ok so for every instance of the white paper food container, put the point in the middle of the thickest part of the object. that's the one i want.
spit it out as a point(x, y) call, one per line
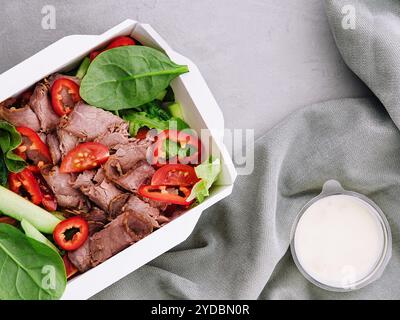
point(200, 110)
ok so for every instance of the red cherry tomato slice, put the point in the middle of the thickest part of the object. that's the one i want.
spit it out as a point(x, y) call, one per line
point(71, 233)
point(85, 156)
point(166, 194)
point(121, 42)
point(34, 144)
point(175, 175)
point(8, 220)
point(117, 42)
point(64, 96)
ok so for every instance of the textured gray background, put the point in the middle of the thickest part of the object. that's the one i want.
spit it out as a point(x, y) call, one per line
point(261, 58)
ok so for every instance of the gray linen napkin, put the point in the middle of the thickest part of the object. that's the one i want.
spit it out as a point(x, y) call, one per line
point(240, 247)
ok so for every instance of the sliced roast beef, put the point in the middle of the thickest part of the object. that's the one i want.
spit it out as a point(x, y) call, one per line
point(84, 179)
point(80, 258)
point(41, 105)
point(89, 123)
point(127, 228)
point(160, 205)
point(67, 141)
point(132, 180)
point(116, 205)
point(96, 219)
point(19, 116)
point(112, 139)
point(60, 184)
point(137, 205)
point(101, 194)
point(54, 147)
point(127, 156)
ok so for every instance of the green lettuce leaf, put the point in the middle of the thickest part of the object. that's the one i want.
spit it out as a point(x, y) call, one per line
point(208, 172)
point(10, 139)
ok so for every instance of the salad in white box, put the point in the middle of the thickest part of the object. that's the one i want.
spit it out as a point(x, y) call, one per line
point(91, 162)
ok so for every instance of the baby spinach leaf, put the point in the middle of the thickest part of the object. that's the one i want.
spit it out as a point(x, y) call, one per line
point(128, 77)
point(29, 269)
point(10, 139)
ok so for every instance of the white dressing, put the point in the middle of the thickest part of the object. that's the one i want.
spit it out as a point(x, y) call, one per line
point(339, 240)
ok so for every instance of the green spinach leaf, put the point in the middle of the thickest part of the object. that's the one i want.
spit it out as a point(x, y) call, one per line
point(10, 139)
point(29, 269)
point(128, 77)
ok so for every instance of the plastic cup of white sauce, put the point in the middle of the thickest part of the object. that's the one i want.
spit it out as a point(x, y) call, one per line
point(341, 240)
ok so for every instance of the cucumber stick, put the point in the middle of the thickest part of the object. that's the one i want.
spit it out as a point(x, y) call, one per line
point(175, 110)
point(35, 234)
point(19, 208)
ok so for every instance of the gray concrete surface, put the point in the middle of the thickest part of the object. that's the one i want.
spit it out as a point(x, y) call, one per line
point(262, 59)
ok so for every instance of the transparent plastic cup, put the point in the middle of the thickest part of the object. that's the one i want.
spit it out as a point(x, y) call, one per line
point(333, 187)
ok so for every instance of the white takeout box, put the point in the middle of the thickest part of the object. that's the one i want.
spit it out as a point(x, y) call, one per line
point(200, 110)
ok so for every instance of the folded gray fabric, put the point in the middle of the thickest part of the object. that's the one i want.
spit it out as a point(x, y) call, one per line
point(240, 247)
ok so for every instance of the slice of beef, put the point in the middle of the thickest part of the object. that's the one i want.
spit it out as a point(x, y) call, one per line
point(162, 206)
point(41, 105)
point(127, 156)
point(137, 205)
point(132, 180)
point(67, 141)
point(80, 258)
point(21, 116)
point(101, 194)
point(116, 205)
point(113, 139)
point(99, 176)
point(96, 219)
point(60, 184)
point(54, 147)
point(88, 122)
point(84, 179)
point(127, 228)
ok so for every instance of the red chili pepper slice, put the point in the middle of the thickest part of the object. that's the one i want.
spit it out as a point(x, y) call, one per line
point(71, 233)
point(34, 143)
point(8, 220)
point(188, 142)
point(64, 96)
point(70, 269)
point(166, 194)
point(24, 183)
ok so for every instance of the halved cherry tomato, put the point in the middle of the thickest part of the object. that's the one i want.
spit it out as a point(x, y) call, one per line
point(166, 194)
point(25, 183)
point(175, 175)
point(117, 42)
point(85, 156)
point(190, 148)
point(70, 269)
point(121, 42)
point(64, 96)
point(71, 233)
point(34, 144)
